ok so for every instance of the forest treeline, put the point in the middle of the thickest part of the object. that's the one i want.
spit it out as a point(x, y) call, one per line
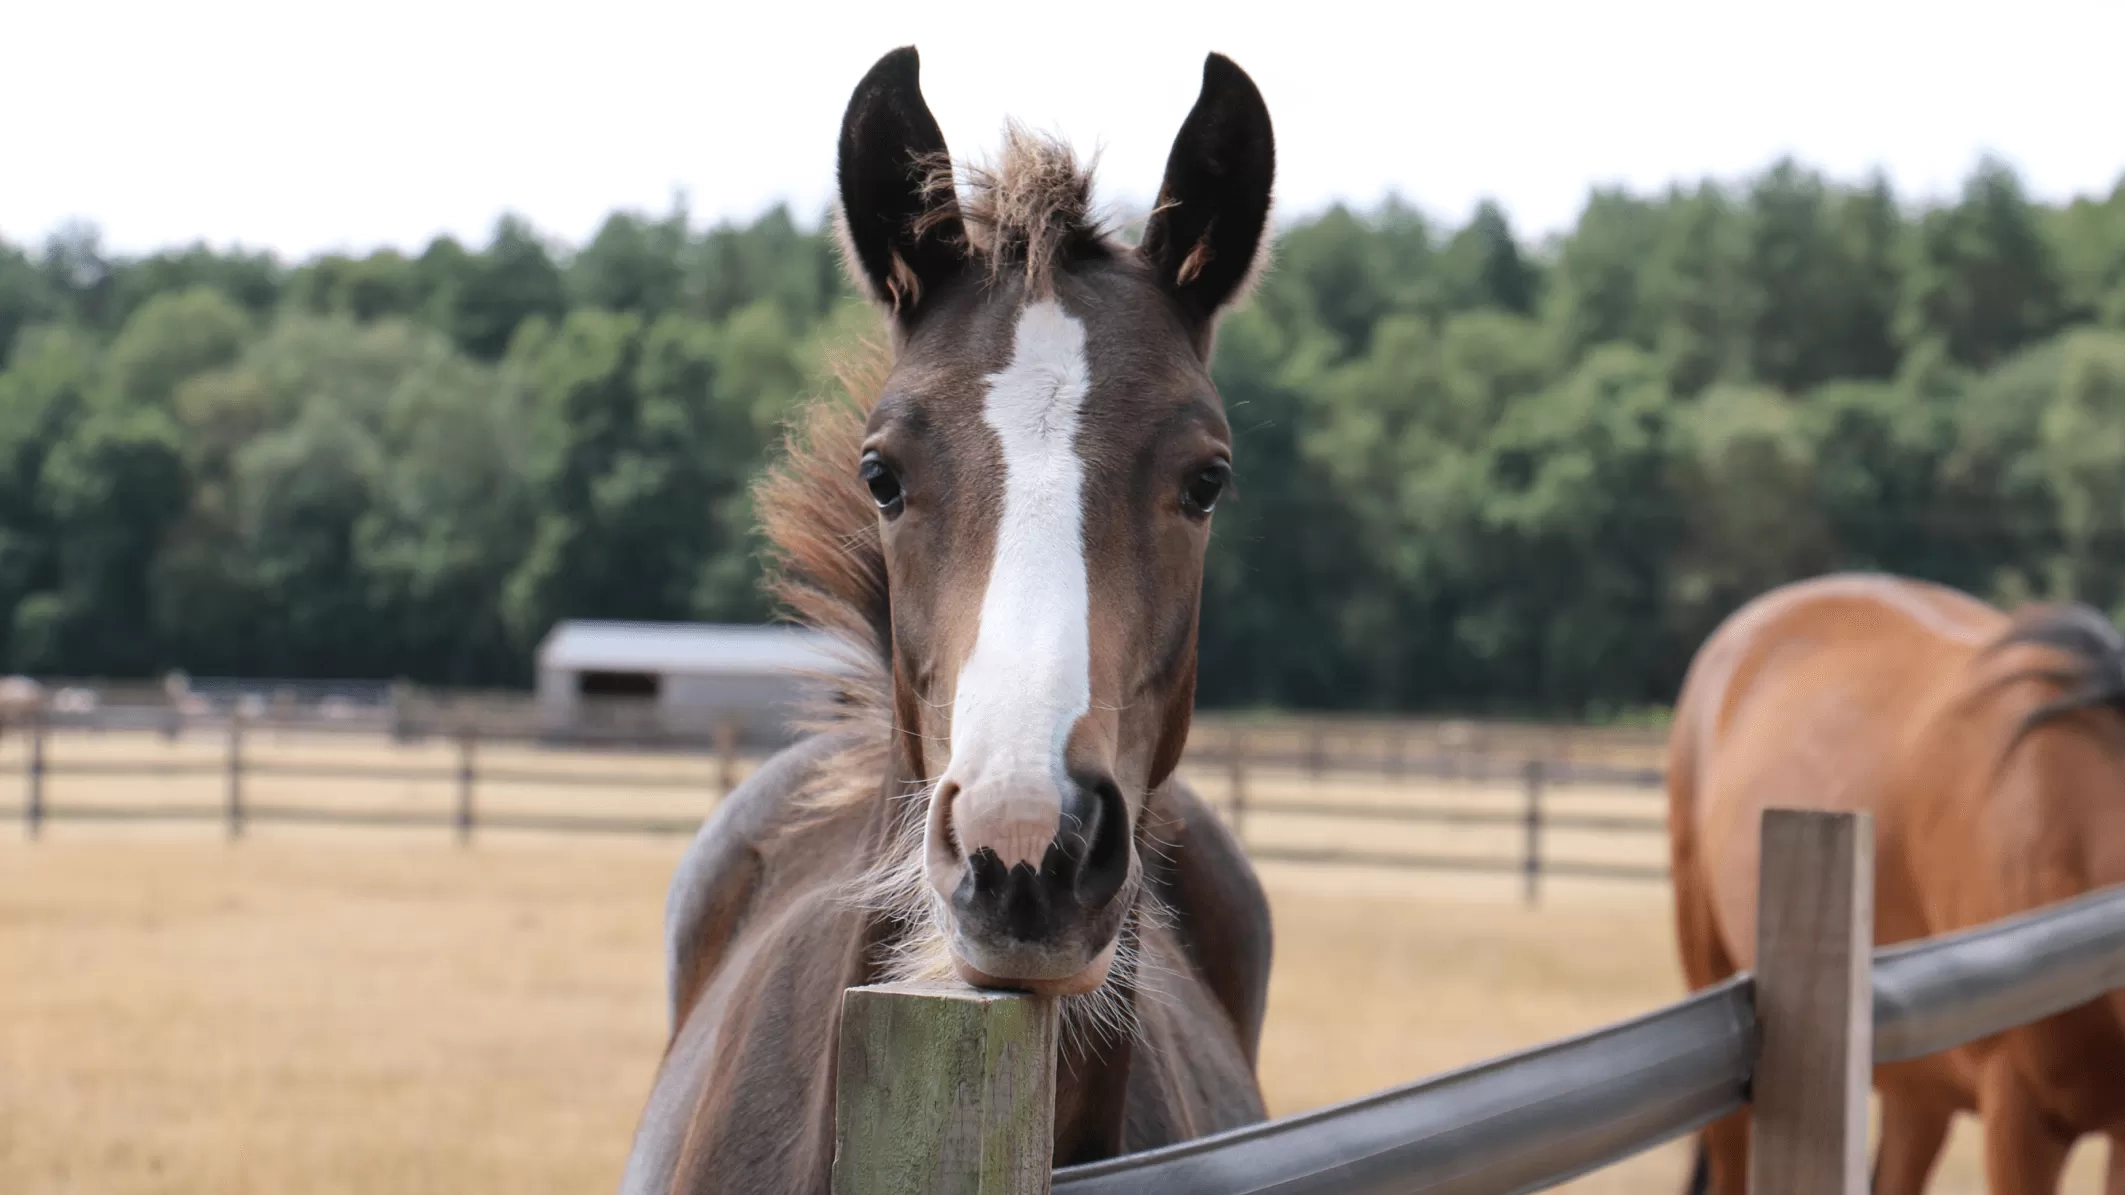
point(1474, 473)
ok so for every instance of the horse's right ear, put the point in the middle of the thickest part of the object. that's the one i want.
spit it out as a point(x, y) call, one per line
point(1204, 238)
point(903, 238)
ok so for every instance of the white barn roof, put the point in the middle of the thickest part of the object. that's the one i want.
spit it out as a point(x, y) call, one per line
point(688, 648)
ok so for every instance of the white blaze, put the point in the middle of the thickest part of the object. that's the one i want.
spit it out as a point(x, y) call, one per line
point(1029, 677)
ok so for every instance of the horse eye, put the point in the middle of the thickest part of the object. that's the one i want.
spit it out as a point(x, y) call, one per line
point(884, 487)
point(1204, 487)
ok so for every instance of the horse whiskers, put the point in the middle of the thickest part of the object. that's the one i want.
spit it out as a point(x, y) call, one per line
point(914, 950)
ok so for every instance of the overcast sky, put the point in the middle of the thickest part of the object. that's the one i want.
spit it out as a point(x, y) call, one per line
point(308, 126)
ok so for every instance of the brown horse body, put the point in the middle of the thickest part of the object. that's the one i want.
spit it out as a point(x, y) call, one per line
point(764, 938)
point(1990, 751)
point(1005, 524)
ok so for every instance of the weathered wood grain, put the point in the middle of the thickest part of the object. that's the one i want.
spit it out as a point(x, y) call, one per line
point(1814, 1001)
point(944, 1090)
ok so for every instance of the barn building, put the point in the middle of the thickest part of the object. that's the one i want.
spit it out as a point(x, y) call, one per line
point(679, 680)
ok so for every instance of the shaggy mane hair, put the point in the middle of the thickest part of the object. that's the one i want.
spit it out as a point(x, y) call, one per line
point(826, 568)
point(1030, 209)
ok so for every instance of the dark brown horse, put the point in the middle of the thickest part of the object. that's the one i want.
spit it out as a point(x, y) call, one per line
point(1006, 523)
point(1990, 751)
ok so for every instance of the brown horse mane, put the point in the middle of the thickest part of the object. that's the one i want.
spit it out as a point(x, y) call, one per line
point(826, 570)
point(2092, 675)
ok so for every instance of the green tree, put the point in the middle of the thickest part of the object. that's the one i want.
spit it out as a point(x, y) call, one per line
point(1483, 267)
point(2081, 445)
point(112, 486)
point(44, 394)
point(1983, 280)
point(633, 508)
point(175, 336)
point(251, 281)
point(771, 258)
point(25, 298)
point(482, 298)
point(633, 265)
point(1744, 466)
point(1694, 292)
point(1593, 296)
point(2089, 240)
point(381, 285)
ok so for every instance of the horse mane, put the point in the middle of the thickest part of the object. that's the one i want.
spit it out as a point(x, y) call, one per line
point(826, 568)
point(1030, 208)
point(2092, 675)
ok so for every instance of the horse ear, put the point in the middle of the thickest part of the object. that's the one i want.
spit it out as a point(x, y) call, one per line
point(901, 238)
point(1204, 238)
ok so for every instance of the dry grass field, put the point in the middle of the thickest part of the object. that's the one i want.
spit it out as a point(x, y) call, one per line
point(332, 1010)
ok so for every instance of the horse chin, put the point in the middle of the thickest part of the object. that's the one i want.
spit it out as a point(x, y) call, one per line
point(1086, 979)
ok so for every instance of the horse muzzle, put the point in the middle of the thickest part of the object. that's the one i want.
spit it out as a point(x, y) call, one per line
point(1049, 927)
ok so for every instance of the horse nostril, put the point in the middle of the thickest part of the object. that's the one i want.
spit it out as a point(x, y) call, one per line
point(986, 872)
point(1095, 838)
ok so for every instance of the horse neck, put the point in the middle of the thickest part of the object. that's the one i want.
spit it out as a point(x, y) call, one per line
point(1091, 1094)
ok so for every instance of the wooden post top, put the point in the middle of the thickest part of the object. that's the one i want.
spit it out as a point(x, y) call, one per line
point(944, 1088)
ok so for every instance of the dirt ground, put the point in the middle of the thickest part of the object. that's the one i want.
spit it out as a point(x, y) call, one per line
point(351, 1010)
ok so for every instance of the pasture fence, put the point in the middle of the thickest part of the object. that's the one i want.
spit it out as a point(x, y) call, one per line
point(239, 764)
point(1794, 1043)
point(1469, 797)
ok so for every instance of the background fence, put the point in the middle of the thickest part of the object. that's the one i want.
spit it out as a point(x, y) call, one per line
point(1473, 797)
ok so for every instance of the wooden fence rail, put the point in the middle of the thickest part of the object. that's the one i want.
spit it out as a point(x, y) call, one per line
point(1253, 764)
point(239, 810)
point(1800, 1036)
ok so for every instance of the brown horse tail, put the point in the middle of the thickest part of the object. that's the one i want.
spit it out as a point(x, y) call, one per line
point(2093, 674)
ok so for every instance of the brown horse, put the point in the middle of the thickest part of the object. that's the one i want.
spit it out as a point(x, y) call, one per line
point(1990, 751)
point(1007, 526)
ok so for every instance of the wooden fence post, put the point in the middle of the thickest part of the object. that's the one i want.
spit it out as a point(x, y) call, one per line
point(465, 778)
point(1531, 774)
point(1237, 780)
point(727, 755)
point(942, 1088)
point(236, 811)
point(33, 797)
point(1814, 1004)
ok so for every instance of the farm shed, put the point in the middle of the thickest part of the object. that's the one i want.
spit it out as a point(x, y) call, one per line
point(678, 680)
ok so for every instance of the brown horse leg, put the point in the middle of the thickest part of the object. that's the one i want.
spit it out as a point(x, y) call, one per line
point(2024, 1153)
point(1913, 1133)
point(1721, 1166)
point(1724, 1161)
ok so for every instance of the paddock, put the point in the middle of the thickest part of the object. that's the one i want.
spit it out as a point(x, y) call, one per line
point(324, 1010)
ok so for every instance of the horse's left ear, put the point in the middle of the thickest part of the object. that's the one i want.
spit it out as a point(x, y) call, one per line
point(1205, 236)
point(901, 236)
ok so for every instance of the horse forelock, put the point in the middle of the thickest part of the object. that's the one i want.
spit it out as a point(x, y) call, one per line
point(1029, 208)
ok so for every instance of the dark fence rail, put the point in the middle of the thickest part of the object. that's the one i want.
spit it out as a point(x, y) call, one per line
point(1253, 769)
